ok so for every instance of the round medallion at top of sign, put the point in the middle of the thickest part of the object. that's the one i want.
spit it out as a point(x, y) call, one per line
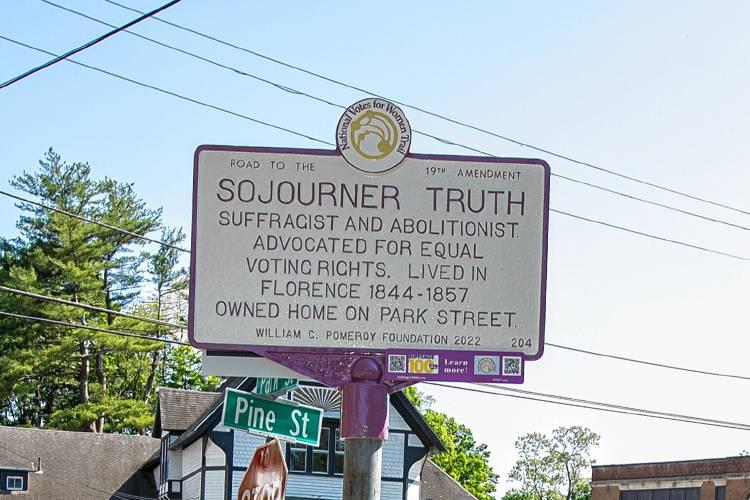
point(373, 135)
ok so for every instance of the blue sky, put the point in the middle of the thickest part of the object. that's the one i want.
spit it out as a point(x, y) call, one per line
point(654, 90)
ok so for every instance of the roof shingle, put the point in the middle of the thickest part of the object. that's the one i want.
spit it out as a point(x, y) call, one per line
point(180, 408)
point(436, 484)
point(79, 464)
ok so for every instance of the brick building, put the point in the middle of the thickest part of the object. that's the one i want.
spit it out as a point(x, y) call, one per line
point(710, 479)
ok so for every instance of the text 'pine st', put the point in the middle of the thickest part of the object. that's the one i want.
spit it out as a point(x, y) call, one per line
point(280, 418)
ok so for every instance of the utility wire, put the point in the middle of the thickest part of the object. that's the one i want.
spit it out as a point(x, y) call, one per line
point(651, 202)
point(158, 89)
point(93, 328)
point(90, 307)
point(609, 405)
point(594, 221)
point(647, 235)
point(136, 235)
point(550, 344)
point(86, 45)
point(173, 94)
point(438, 115)
point(582, 403)
point(199, 57)
point(90, 221)
point(648, 363)
point(728, 425)
point(298, 92)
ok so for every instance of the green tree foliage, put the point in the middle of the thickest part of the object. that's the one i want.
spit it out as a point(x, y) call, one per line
point(553, 467)
point(464, 460)
point(73, 378)
point(535, 468)
point(184, 371)
point(582, 490)
point(518, 495)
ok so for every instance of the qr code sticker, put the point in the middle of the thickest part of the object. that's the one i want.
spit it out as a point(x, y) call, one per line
point(512, 366)
point(397, 363)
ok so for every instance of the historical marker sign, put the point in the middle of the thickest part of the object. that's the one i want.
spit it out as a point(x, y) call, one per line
point(298, 249)
point(259, 415)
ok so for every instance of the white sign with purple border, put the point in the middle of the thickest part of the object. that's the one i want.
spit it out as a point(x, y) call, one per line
point(370, 248)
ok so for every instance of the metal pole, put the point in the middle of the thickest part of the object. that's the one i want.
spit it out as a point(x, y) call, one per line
point(363, 460)
point(364, 427)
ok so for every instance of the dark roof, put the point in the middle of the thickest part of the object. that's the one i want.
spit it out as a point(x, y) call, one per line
point(177, 409)
point(211, 415)
point(436, 484)
point(80, 464)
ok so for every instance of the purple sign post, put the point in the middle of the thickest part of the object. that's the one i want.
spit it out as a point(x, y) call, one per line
point(370, 268)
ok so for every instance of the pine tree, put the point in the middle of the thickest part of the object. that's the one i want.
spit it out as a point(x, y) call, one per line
point(74, 378)
point(167, 279)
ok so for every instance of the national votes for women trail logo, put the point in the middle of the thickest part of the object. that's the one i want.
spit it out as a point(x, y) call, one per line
point(373, 135)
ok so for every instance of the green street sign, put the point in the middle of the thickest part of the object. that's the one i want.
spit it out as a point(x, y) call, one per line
point(286, 420)
point(268, 385)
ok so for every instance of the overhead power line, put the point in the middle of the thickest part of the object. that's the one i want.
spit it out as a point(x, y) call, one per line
point(298, 92)
point(636, 412)
point(90, 307)
point(173, 94)
point(437, 115)
point(651, 202)
point(553, 398)
point(86, 45)
point(92, 328)
point(547, 344)
point(224, 110)
point(648, 363)
point(648, 235)
point(608, 405)
point(91, 221)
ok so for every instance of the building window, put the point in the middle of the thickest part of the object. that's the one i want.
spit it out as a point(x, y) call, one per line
point(662, 494)
point(297, 459)
point(14, 483)
point(320, 453)
point(325, 459)
point(338, 449)
point(164, 470)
